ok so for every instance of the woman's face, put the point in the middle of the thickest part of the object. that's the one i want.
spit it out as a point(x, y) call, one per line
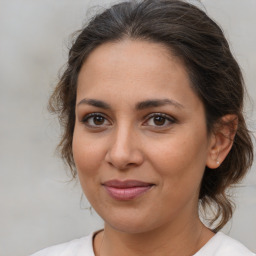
point(140, 142)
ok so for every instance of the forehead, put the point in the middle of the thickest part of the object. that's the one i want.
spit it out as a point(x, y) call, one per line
point(134, 69)
point(126, 58)
point(131, 50)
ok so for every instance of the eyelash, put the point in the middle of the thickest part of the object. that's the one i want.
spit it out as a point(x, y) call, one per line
point(87, 118)
point(166, 117)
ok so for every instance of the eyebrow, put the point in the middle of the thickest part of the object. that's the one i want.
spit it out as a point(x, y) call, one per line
point(139, 106)
point(157, 103)
point(95, 103)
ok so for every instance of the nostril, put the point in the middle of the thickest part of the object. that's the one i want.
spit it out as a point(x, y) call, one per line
point(125, 159)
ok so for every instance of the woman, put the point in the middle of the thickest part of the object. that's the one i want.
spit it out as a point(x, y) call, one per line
point(151, 104)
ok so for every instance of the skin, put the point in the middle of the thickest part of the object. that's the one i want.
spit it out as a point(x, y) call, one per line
point(125, 142)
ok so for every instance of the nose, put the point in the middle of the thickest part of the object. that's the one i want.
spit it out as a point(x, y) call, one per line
point(124, 149)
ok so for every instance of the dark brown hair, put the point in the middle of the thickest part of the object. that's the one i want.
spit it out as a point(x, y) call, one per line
point(214, 73)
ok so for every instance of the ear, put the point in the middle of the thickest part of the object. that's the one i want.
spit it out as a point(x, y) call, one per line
point(221, 140)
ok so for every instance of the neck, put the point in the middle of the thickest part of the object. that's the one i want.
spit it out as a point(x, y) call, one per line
point(168, 240)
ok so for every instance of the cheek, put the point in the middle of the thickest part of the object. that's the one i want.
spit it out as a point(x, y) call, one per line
point(180, 166)
point(87, 154)
point(180, 159)
point(88, 157)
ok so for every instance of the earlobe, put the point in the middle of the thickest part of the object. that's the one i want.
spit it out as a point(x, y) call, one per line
point(221, 140)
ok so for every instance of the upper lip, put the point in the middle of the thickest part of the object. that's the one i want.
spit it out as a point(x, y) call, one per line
point(126, 183)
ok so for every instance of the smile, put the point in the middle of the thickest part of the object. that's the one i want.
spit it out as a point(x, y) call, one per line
point(126, 190)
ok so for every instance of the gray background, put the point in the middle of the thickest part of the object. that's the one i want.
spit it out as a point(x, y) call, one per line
point(38, 206)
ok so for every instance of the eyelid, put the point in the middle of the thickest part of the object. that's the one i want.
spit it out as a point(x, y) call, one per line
point(94, 114)
point(169, 118)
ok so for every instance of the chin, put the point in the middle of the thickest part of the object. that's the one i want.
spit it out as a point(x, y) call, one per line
point(130, 224)
point(129, 229)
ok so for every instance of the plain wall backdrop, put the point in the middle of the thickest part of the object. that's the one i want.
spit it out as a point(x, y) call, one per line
point(38, 206)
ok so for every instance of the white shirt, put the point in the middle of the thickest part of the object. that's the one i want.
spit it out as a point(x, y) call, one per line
point(218, 245)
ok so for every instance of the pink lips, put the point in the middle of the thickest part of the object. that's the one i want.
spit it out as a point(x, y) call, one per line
point(126, 190)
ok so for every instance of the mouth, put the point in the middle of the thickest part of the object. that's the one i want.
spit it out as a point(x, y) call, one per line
point(126, 190)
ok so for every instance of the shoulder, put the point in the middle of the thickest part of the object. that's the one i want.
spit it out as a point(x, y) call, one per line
point(223, 245)
point(77, 247)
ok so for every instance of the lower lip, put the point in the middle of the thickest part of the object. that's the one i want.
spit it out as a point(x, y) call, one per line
point(126, 194)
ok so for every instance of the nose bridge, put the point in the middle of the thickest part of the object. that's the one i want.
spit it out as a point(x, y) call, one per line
point(124, 148)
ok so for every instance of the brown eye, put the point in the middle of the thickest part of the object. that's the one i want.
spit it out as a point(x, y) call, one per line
point(159, 120)
point(96, 120)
